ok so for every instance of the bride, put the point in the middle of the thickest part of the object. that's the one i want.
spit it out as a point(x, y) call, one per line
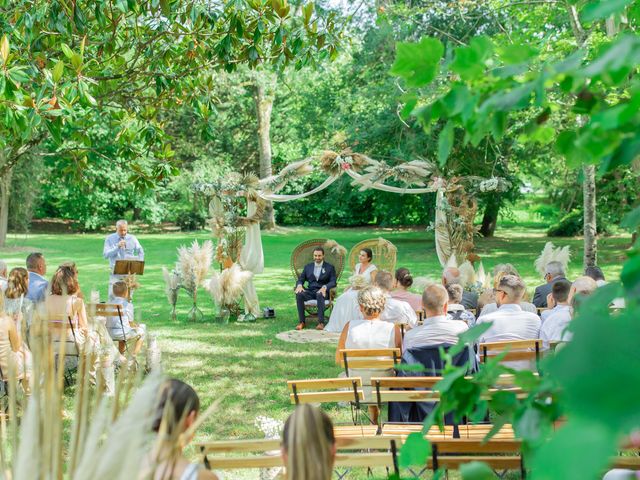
point(346, 308)
point(365, 268)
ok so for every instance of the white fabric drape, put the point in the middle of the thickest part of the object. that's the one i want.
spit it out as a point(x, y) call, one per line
point(252, 259)
point(443, 243)
point(387, 188)
point(275, 197)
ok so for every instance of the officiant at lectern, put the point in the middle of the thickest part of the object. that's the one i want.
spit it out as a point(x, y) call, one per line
point(121, 246)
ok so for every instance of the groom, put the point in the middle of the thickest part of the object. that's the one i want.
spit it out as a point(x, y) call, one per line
point(321, 278)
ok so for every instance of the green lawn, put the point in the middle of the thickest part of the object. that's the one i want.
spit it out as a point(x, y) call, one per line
point(245, 362)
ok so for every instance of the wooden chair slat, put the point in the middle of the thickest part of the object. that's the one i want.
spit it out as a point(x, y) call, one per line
point(512, 356)
point(372, 364)
point(376, 459)
point(371, 352)
point(407, 396)
point(324, 383)
point(465, 445)
point(629, 462)
point(511, 344)
point(354, 430)
point(321, 397)
point(233, 463)
point(251, 445)
point(494, 461)
point(405, 382)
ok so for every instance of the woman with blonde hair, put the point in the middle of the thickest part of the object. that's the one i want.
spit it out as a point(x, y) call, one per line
point(368, 333)
point(16, 303)
point(14, 354)
point(308, 444)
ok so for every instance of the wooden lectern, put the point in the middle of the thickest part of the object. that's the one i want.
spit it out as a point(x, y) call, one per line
point(128, 267)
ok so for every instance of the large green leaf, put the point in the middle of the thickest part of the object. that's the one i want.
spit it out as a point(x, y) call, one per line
point(469, 61)
point(476, 471)
point(597, 9)
point(415, 451)
point(418, 63)
point(445, 143)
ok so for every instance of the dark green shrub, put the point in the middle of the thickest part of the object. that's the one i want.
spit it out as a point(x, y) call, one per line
point(190, 220)
point(572, 224)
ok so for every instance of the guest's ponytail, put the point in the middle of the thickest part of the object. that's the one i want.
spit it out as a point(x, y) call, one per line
point(309, 444)
point(177, 400)
point(404, 278)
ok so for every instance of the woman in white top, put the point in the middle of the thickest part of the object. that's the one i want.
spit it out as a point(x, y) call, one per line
point(16, 304)
point(346, 308)
point(365, 268)
point(13, 350)
point(371, 332)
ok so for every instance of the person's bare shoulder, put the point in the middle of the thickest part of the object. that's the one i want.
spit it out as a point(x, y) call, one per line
point(207, 475)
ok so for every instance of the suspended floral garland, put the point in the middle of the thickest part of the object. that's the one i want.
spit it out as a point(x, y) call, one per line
point(231, 194)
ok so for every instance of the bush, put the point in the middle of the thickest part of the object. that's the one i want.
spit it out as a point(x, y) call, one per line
point(572, 225)
point(190, 220)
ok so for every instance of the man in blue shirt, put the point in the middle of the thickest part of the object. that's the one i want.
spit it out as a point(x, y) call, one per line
point(37, 268)
point(121, 246)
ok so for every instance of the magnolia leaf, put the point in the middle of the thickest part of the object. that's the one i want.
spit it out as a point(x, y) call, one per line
point(4, 49)
point(445, 143)
point(598, 9)
point(58, 70)
point(417, 63)
point(66, 50)
point(512, 54)
point(415, 451)
point(631, 220)
point(476, 471)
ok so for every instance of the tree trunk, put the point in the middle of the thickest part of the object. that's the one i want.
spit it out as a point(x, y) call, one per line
point(589, 201)
point(264, 105)
point(490, 217)
point(5, 190)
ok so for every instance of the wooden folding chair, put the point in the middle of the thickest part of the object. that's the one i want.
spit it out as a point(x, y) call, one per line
point(513, 350)
point(112, 310)
point(373, 358)
point(57, 328)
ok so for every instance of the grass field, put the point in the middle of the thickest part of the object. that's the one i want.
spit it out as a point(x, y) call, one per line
point(245, 363)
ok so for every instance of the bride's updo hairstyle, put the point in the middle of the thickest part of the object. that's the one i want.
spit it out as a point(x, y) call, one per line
point(372, 300)
point(368, 252)
point(404, 278)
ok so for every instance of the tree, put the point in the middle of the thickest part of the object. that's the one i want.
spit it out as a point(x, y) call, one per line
point(63, 62)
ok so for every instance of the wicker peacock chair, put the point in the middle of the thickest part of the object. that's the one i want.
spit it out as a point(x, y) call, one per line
point(384, 254)
point(303, 254)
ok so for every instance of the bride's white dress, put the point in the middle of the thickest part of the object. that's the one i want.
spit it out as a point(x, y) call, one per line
point(345, 309)
point(366, 273)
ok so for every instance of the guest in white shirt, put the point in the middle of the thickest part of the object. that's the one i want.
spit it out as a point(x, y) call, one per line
point(510, 322)
point(395, 311)
point(437, 328)
point(557, 300)
point(346, 308)
point(493, 306)
point(3, 276)
point(554, 327)
point(596, 273)
point(556, 319)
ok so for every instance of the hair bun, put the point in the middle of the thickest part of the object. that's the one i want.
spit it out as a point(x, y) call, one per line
point(406, 280)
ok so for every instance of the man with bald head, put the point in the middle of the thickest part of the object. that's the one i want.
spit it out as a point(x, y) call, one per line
point(452, 276)
point(120, 245)
point(438, 328)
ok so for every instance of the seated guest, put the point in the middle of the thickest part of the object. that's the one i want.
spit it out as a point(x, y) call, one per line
point(64, 306)
point(488, 295)
point(557, 300)
point(371, 332)
point(37, 268)
point(128, 330)
point(554, 272)
point(13, 350)
point(437, 328)
point(451, 275)
point(3, 276)
point(492, 307)
point(401, 286)
point(365, 268)
point(176, 412)
point(16, 304)
point(395, 311)
point(554, 327)
point(596, 273)
point(510, 322)
point(320, 278)
point(308, 444)
point(455, 309)
point(346, 308)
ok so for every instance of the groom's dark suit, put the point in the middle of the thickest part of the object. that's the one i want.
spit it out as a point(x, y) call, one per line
point(326, 278)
